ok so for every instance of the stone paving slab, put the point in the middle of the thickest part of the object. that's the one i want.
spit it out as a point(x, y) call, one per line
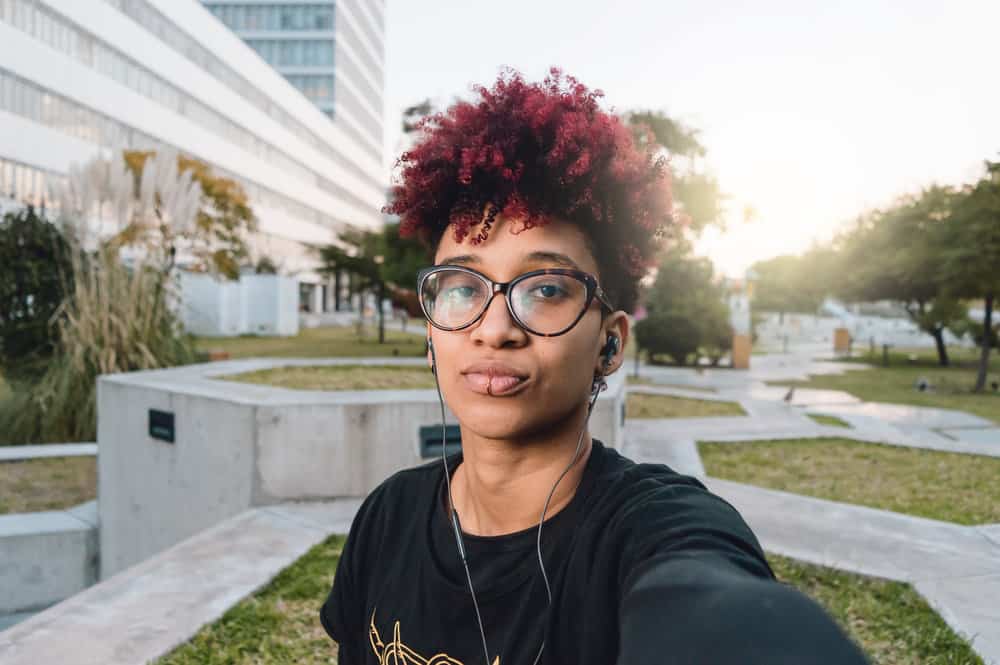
point(921, 416)
point(975, 435)
point(861, 539)
point(726, 427)
point(10, 453)
point(991, 531)
point(675, 391)
point(803, 396)
point(147, 610)
point(681, 456)
point(965, 603)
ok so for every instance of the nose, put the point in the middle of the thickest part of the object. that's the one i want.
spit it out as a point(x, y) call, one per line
point(496, 327)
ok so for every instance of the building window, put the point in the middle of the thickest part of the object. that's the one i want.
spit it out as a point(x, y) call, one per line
point(275, 17)
point(318, 88)
point(294, 52)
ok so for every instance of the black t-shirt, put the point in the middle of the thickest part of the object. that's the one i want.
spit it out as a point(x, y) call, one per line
point(645, 565)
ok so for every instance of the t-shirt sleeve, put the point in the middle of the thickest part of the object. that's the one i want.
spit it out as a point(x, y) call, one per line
point(696, 585)
point(341, 615)
point(678, 516)
point(707, 610)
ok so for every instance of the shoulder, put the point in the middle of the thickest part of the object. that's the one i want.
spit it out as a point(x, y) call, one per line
point(651, 510)
point(635, 489)
point(400, 491)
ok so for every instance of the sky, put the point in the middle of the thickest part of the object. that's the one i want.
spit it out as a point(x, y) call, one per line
point(812, 112)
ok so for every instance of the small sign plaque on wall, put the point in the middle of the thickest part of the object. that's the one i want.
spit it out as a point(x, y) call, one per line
point(161, 425)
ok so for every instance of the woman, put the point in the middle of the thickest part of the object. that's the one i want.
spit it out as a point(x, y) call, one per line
point(538, 543)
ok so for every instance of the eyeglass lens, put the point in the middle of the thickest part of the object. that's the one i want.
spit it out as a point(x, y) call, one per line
point(544, 303)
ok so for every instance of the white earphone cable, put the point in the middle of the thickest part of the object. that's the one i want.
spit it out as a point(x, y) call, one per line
point(599, 385)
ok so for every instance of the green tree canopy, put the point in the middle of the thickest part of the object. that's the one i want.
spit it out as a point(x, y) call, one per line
point(686, 309)
point(791, 283)
point(379, 260)
point(971, 262)
point(898, 254)
point(698, 194)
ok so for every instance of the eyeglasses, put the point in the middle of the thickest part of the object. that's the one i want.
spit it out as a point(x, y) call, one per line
point(545, 302)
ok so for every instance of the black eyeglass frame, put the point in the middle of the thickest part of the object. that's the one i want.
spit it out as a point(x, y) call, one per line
point(590, 282)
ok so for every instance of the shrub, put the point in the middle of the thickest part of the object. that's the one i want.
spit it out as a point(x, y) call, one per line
point(686, 310)
point(34, 269)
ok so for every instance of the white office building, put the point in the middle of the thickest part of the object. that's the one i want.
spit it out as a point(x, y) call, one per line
point(80, 76)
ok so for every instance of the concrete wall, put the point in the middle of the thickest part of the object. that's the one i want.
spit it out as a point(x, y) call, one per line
point(255, 304)
point(46, 556)
point(271, 303)
point(242, 445)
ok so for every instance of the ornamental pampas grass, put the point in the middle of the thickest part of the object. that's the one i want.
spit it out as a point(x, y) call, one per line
point(117, 315)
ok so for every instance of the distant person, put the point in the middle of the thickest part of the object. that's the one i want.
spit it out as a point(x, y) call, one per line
point(537, 542)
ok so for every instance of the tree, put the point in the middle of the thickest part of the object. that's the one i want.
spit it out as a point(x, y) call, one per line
point(224, 217)
point(972, 253)
point(686, 310)
point(698, 194)
point(784, 284)
point(899, 254)
point(34, 278)
point(412, 115)
point(671, 134)
point(380, 259)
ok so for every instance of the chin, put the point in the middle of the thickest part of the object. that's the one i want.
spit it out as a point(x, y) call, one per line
point(508, 420)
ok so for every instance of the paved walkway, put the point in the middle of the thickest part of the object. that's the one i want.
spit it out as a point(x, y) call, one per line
point(956, 568)
point(145, 611)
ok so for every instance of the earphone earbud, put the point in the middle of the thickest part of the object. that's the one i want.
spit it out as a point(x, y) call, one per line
point(610, 349)
point(430, 347)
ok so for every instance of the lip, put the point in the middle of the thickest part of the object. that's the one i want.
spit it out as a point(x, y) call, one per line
point(494, 378)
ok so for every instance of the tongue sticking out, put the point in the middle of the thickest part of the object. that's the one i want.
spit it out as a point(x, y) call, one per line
point(492, 384)
point(501, 384)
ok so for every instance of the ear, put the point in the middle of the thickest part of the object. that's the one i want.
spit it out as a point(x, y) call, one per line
point(617, 324)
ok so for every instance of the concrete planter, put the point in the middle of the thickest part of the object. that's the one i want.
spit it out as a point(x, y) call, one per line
point(46, 556)
point(239, 445)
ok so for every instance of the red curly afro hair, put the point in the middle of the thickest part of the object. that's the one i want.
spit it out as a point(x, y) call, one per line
point(535, 152)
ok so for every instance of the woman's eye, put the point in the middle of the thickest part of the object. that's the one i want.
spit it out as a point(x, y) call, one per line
point(548, 291)
point(461, 292)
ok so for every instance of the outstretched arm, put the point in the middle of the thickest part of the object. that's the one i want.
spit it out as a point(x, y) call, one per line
point(687, 607)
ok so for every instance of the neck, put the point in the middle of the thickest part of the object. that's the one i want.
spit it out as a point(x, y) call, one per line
point(501, 484)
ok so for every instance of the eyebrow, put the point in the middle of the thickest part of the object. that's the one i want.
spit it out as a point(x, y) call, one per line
point(554, 257)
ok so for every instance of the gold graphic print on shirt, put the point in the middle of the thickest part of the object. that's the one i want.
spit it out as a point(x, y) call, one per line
point(397, 653)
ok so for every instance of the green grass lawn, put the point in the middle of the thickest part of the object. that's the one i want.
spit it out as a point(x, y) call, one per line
point(340, 377)
point(890, 620)
point(951, 386)
point(646, 405)
point(952, 487)
point(645, 381)
point(277, 625)
point(832, 421)
point(51, 483)
point(960, 357)
point(336, 341)
point(280, 624)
